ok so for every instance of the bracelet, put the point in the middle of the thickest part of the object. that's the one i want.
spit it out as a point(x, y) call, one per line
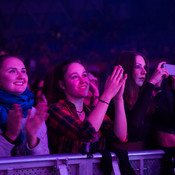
point(103, 101)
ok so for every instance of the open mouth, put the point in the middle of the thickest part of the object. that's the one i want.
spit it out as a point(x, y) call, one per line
point(19, 83)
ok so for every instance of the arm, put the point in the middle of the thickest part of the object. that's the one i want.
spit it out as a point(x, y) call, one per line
point(36, 130)
point(112, 87)
point(120, 122)
point(165, 111)
point(14, 125)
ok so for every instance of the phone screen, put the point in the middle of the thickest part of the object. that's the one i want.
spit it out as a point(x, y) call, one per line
point(170, 68)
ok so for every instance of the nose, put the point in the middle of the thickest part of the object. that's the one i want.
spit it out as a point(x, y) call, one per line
point(83, 79)
point(19, 74)
point(143, 71)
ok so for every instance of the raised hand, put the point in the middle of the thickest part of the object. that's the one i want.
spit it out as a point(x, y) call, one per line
point(120, 93)
point(34, 123)
point(159, 74)
point(114, 83)
point(14, 122)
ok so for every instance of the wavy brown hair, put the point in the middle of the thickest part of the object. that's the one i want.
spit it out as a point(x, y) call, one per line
point(127, 60)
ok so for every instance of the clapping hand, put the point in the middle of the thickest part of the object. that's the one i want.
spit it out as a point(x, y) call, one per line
point(115, 83)
point(14, 122)
point(34, 123)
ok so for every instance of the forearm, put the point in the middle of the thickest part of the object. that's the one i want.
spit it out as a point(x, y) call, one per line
point(97, 115)
point(42, 142)
point(120, 122)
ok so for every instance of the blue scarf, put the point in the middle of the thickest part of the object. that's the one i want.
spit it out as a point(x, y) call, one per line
point(7, 100)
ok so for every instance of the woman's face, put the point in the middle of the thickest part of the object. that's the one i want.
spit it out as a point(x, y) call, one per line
point(76, 82)
point(13, 76)
point(139, 73)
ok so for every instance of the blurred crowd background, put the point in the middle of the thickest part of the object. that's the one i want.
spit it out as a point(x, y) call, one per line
point(45, 32)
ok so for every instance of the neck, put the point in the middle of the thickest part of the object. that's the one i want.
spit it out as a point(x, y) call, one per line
point(78, 103)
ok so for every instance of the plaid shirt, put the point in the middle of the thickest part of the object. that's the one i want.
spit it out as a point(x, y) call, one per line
point(67, 134)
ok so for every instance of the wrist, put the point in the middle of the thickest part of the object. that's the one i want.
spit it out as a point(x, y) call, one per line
point(117, 100)
point(7, 136)
point(32, 141)
point(105, 98)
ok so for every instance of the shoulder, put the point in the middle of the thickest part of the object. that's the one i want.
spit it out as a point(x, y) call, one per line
point(63, 108)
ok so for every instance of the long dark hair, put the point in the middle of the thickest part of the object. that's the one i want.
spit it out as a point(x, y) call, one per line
point(51, 89)
point(127, 60)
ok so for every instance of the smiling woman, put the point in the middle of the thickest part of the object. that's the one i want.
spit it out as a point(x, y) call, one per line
point(13, 77)
point(75, 127)
point(22, 128)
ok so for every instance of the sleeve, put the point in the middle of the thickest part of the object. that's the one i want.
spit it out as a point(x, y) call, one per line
point(165, 112)
point(135, 117)
point(5, 147)
point(42, 147)
point(63, 121)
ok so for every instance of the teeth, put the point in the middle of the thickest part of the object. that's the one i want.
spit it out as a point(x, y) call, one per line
point(19, 83)
point(82, 87)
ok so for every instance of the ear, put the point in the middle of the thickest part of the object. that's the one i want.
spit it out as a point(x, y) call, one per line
point(61, 84)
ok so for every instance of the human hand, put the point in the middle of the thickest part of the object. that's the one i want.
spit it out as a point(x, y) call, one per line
point(14, 122)
point(41, 99)
point(93, 88)
point(159, 74)
point(120, 93)
point(113, 83)
point(34, 123)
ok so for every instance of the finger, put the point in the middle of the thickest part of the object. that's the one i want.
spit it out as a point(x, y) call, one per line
point(114, 72)
point(125, 77)
point(161, 64)
point(119, 73)
point(43, 98)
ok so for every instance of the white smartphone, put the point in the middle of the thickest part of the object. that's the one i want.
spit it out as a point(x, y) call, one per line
point(170, 68)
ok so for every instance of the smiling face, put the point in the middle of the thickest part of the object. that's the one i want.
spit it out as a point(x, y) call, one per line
point(76, 82)
point(139, 73)
point(13, 76)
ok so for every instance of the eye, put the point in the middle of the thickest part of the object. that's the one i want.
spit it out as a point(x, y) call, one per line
point(85, 75)
point(138, 66)
point(74, 76)
point(12, 71)
point(23, 71)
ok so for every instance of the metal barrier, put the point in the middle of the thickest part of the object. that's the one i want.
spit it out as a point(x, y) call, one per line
point(143, 162)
